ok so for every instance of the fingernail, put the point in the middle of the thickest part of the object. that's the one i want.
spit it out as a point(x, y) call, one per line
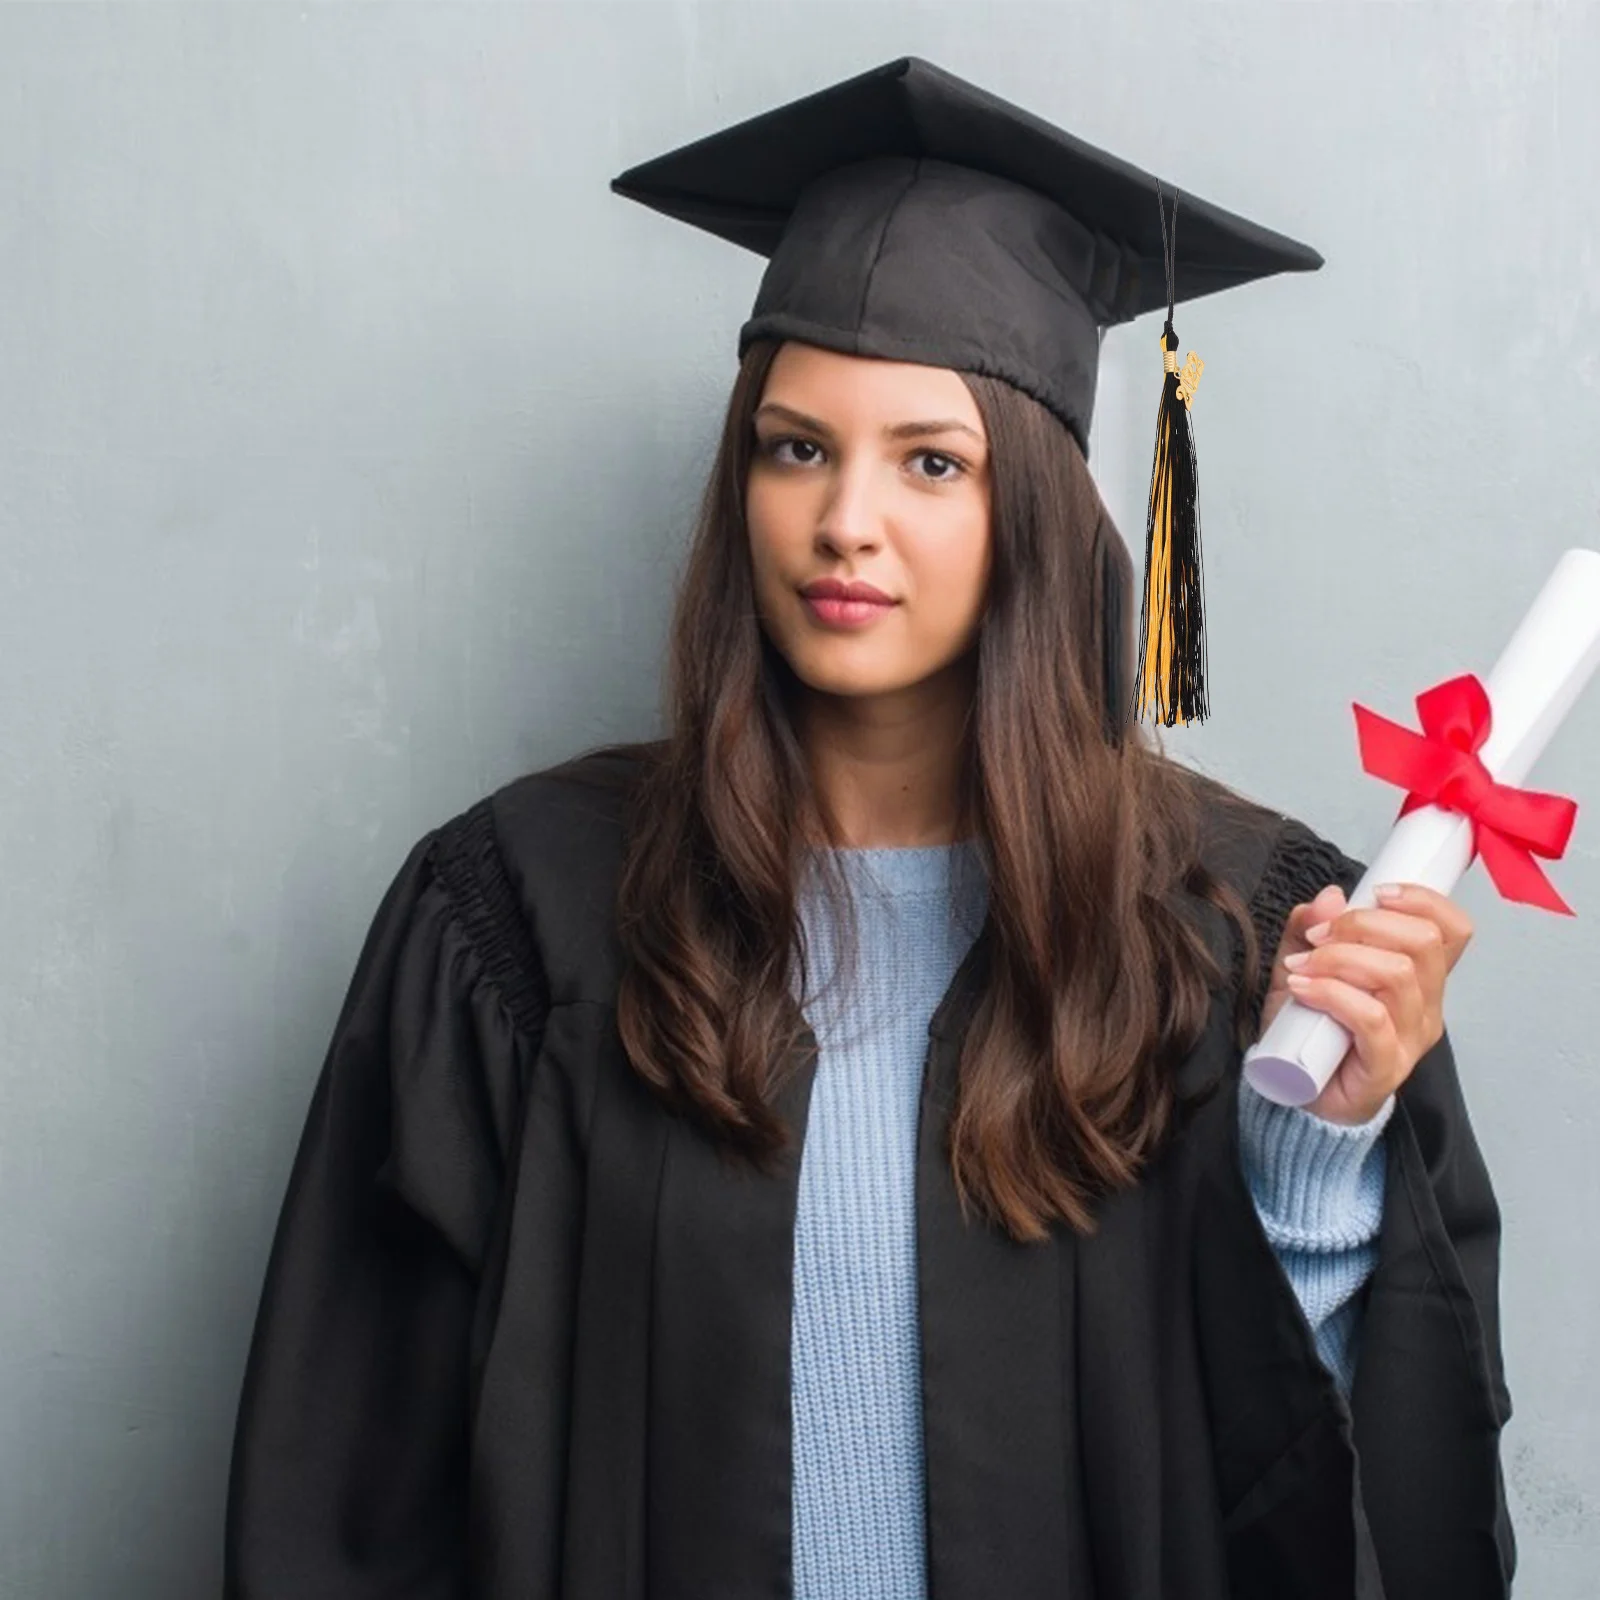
point(1317, 934)
point(1298, 980)
point(1388, 891)
point(1299, 959)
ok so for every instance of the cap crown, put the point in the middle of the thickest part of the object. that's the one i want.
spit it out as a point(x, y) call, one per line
point(911, 215)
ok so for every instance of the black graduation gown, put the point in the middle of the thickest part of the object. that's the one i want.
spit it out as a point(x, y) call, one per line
point(523, 1335)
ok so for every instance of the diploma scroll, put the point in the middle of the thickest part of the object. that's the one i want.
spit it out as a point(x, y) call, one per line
point(1538, 677)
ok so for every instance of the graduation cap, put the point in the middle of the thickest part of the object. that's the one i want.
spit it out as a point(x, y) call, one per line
point(910, 215)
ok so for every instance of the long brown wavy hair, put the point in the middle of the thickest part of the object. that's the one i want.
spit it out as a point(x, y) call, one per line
point(1097, 985)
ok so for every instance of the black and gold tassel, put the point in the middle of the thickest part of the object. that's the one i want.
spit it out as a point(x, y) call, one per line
point(1171, 659)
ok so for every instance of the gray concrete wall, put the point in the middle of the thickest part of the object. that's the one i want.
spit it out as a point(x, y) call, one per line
point(349, 433)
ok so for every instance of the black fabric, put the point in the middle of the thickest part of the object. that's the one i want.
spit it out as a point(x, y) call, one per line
point(467, 863)
point(1116, 636)
point(523, 1334)
point(910, 215)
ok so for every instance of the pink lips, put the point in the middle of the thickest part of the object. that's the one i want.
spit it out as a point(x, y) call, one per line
point(845, 605)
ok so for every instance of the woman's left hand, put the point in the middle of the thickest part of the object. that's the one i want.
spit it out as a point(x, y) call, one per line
point(1380, 971)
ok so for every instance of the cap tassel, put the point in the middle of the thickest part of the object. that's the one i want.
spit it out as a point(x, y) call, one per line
point(1172, 647)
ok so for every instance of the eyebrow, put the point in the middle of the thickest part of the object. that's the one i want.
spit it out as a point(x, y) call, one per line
point(899, 430)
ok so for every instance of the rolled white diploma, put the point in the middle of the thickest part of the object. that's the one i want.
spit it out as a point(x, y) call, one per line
point(1534, 684)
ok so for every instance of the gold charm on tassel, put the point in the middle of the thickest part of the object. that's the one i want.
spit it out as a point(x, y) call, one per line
point(1172, 655)
point(1189, 378)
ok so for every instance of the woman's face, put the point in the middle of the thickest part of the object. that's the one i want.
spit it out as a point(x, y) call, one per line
point(868, 472)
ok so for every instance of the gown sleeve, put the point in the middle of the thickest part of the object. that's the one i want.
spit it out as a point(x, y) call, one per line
point(1318, 1189)
point(1429, 1396)
point(349, 1467)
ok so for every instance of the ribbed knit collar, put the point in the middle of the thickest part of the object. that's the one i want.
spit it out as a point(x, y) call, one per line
point(892, 872)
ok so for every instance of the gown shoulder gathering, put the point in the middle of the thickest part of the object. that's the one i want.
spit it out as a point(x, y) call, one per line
point(523, 1334)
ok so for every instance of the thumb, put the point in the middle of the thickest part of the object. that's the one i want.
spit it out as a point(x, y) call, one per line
point(1328, 902)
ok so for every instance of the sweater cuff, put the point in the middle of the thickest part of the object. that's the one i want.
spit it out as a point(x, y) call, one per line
point(1318, 1185)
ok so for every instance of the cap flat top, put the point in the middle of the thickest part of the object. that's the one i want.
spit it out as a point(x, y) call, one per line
point(742, 183)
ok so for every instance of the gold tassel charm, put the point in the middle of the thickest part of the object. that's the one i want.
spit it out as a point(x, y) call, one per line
point(1171, 655)
point(1189, 378)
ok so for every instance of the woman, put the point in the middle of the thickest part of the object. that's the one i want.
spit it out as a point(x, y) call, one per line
point(807, 1154)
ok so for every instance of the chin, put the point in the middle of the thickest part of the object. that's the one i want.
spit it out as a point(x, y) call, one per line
point(850, 681)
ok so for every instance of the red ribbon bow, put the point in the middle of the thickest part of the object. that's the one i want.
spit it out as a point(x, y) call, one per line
point(1440, 767)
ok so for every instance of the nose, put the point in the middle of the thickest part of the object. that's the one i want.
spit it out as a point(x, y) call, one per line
point(850, 518)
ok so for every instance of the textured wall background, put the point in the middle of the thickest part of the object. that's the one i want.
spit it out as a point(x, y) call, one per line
point(349, 433)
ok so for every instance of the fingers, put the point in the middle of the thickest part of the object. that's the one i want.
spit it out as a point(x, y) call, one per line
point(1346, 977)
point(1454, 924)
point(1419, 937)
point(1372, 1023)
point(1380, 1058)
point(1402, 920)
point(1380, 971)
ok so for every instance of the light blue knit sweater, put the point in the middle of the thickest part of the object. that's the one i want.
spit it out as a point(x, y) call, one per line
point(858, 1500)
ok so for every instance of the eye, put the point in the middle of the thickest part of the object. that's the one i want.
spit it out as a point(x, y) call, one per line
point(772, 447)
point(958, 467)
point(950, 467)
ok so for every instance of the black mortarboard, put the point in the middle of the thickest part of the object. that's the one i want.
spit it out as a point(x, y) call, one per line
point(913, 216)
